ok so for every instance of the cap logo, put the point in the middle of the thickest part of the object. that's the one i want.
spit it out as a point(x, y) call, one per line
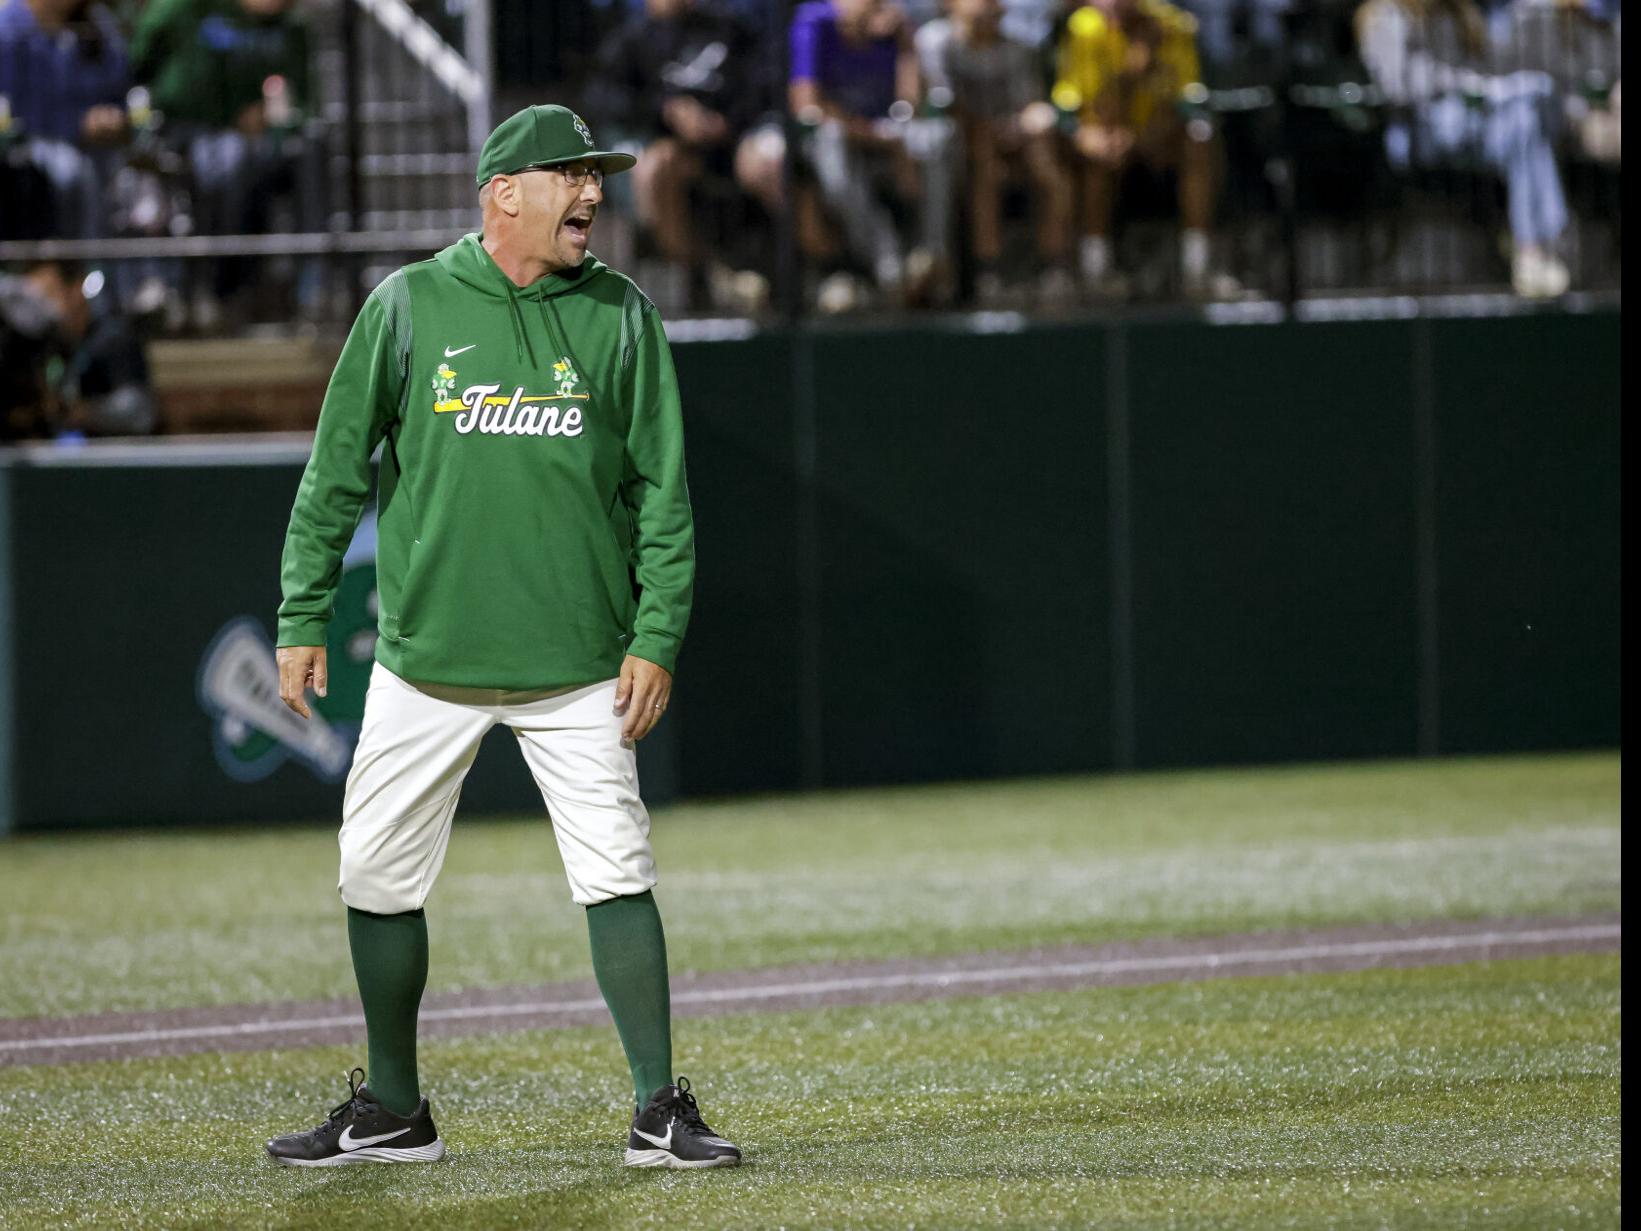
point(581, 127)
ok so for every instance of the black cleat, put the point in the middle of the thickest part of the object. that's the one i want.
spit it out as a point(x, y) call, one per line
point(668, 1132)
point(361, 1130)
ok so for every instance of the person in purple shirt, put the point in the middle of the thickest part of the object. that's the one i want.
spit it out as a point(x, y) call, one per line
point(852, 52)
point(855, 81)
point(63, 76)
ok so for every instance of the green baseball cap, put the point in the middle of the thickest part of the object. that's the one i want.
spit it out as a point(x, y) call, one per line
point(540, 136)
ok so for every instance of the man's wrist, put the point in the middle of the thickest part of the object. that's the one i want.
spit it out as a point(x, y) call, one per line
point(658, 648)
point(295, 632)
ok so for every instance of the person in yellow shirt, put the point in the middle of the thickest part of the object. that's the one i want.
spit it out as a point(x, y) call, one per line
point(1124, 66)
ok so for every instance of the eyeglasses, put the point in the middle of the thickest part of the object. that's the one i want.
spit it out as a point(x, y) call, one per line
point(576, 174)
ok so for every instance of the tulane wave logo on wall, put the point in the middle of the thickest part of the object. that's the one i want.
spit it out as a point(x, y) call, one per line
point(253, 732)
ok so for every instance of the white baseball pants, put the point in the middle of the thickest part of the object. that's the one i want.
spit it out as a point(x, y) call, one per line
point(416, 746)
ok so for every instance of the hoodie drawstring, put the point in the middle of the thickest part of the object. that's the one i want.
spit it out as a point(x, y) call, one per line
point(521, 336)
point(470, 264)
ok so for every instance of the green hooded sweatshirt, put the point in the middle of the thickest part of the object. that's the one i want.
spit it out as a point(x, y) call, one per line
point(533, 520)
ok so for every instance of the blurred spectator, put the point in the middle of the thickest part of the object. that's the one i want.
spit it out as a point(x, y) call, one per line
point(1034, 23)
point(63, 76)
point(207, 60)
point(855, 81)
point(1496, 19)
point(1430, 57)
point(103, 382)
point(231, 79)
point(1319, 44)
point(28, 203)
point(760, 167)
point(27, 343)
point(995, 92)
point(1579, 45)
point(682, 82)
point(747, 10)
point(73, 365)
point(1231, 33)
point(1124, 69)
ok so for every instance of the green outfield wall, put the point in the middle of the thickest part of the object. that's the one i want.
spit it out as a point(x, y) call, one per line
point(965, 548)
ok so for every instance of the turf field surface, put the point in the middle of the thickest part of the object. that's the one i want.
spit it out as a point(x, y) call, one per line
point(1477, 1096)
point(776, 989)
point(1485, 1094)
point(92, 923)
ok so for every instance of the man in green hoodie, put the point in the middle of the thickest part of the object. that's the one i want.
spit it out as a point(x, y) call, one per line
point(535, 567)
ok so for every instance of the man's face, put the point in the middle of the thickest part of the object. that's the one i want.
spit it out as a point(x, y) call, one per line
point(558, 215)
point(664, 10)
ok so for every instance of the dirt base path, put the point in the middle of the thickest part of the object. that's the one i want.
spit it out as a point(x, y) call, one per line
point(257, 1027)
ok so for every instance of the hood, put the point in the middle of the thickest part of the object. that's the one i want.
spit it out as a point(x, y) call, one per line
point(468, 263)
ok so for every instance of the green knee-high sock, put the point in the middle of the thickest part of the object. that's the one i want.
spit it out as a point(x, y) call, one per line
point(630, 960)
point(390, 963)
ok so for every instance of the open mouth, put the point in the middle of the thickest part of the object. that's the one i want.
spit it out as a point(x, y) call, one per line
point(578, 225)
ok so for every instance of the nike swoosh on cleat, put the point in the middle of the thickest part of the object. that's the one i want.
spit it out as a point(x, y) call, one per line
point(661, 1143)
point(347, 1141)
point(451, 354)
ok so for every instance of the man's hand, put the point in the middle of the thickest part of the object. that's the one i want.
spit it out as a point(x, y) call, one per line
point(252, 119)
point(302, 667)
point(1035, 118)
point(104, 122)
point(1104, 143)
point(641, 694)
point(696, 123)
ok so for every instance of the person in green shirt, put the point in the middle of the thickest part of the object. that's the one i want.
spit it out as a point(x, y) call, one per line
point(231, 80)
point(535, 567)
point(206, 62)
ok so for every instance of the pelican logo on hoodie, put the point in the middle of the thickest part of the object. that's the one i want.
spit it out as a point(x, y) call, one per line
point(485, 409)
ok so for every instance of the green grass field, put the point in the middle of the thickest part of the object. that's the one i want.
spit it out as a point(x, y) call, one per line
point(1481, 1095)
